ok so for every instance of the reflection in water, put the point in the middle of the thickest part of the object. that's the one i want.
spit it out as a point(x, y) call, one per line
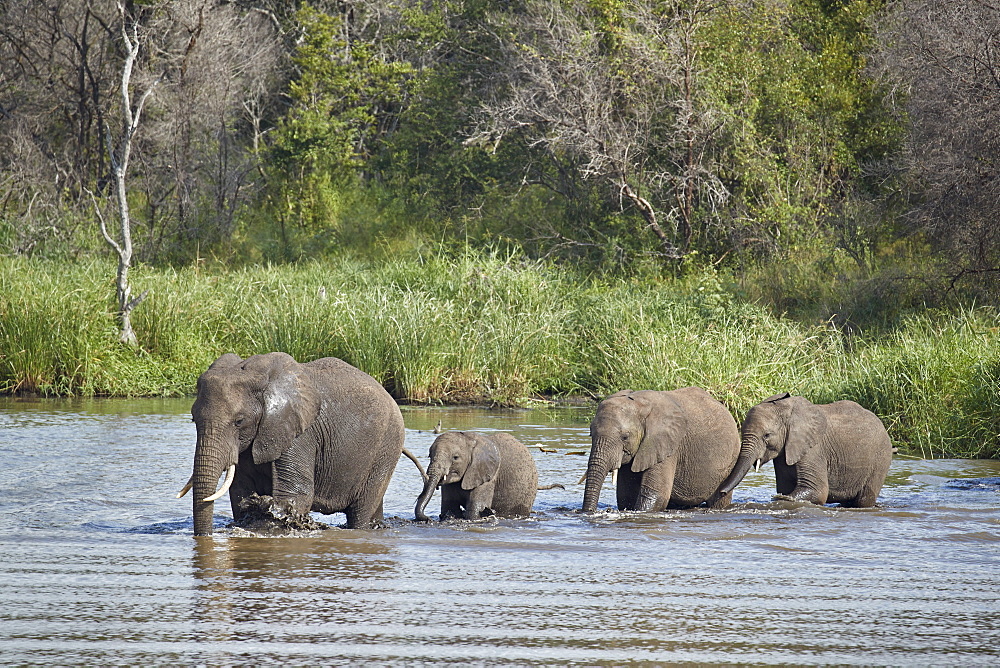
point(253, 589)
point(100, 566)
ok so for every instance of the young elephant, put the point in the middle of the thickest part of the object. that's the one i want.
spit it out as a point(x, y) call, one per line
point(827, 453)
point(671, 449)
point(479, 474)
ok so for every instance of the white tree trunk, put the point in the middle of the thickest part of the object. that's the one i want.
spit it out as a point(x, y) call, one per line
point(119, 166)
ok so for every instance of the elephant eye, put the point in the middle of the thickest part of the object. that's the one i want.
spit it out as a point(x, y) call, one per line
point(455, 457)
point(239, 422)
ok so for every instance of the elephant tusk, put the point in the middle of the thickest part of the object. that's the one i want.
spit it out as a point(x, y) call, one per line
point(614, 476)
point(230, 474)
point(187, 487)
point(756, 466)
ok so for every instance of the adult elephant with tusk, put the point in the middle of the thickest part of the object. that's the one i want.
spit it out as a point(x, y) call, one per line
point(321, 436)
point(823, 453)
point(671, 449)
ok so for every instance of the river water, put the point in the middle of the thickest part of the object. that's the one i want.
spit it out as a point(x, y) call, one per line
point(99, 565)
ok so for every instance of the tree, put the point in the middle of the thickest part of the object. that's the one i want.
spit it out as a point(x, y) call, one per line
point(120, 152)
point(345, 98)
point(947, 57)
point(224, 69)
point(55, 78)
point(618, 92)
point(221, 68)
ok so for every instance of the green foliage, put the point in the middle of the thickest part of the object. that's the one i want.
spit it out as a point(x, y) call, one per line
point(801, 115)
point(496, 328)
point(342, 100)
point(935, 383)
point(342, 88)
point(791, 118)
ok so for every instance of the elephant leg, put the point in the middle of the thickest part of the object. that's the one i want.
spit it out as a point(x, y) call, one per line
point(250, 479)
point(364, 516)
point(808, 495)
point(720, 501)
point(867, 497)
point(294, 471)
point(453, 499)
point(627, 488)
point(646, 491)
point(657, 484)
point(479, 501)
point(784, 477)
point(811, 483)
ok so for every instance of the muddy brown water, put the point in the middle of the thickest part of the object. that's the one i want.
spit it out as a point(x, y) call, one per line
point(99, 565)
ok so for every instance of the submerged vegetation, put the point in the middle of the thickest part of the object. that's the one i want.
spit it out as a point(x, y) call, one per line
point(500, 330)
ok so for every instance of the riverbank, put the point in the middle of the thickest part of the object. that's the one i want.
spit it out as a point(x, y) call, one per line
point(483, 329)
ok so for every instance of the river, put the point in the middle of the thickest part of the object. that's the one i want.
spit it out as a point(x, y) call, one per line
point(99, 565)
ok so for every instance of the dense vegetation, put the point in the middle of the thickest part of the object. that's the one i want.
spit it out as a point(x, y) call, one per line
point(486, 328)
point(509, 200)
point(629, 136)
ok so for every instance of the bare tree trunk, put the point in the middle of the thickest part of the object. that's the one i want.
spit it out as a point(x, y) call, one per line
point(649, 215)
point(119, 166)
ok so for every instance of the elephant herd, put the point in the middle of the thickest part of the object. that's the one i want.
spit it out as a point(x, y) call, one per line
point(324, 436)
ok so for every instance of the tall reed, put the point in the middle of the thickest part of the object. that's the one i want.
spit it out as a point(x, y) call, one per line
point(486, 328)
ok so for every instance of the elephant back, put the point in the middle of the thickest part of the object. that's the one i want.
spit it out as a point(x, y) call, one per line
point(359, 435)
point(517, 477)
point(712, 446)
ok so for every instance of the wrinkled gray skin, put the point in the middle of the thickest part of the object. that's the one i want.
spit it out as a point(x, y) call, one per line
point(479, 475)
point(671, 449)
point(822, 453)
point(320, 436)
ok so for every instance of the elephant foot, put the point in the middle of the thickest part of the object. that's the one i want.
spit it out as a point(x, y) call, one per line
point(720, 501)
point(263, 515)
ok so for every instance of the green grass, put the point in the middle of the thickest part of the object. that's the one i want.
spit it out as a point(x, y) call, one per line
point(483, 328)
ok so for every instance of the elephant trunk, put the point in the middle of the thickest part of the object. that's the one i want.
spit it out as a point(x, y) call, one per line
point(432, 482)
point(602, 460)
point(209, 464)
point(751, 450)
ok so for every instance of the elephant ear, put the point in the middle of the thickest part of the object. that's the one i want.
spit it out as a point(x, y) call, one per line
point(289, 402)
point(484, 465)
point(777, 397)
point(664, 428)
point(806, 427)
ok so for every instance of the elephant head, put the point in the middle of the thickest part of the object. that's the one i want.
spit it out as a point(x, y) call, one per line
point(262, 403)
point(458, 456)
point(779, 423)
point(622, 434)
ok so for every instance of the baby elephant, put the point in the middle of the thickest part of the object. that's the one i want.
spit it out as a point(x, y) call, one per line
point(823, 453)
point(479, 474)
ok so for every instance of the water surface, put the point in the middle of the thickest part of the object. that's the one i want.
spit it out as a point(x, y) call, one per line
point(100, 566)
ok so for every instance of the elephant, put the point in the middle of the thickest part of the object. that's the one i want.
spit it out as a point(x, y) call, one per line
point(321, 436)
point(671, 449)
point(822, 453)
point(479, 475)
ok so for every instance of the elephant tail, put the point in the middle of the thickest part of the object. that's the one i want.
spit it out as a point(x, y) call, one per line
point(420, 467)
